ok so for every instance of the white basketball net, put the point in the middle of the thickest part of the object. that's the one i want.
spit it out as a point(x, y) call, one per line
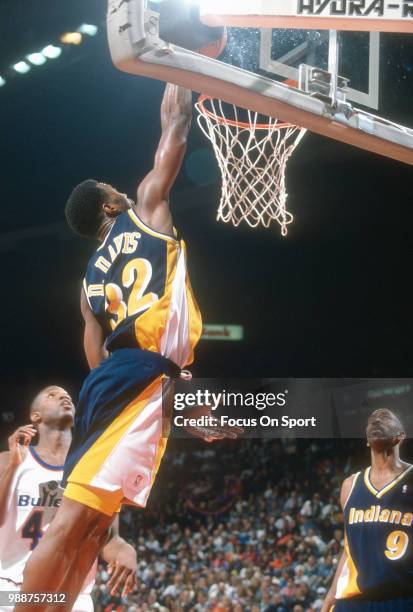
point(252, 158)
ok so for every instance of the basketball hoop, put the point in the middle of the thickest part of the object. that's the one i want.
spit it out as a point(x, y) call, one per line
point(252, 157)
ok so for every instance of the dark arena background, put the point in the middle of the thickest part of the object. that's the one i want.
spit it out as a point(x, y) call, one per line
point(247, 525)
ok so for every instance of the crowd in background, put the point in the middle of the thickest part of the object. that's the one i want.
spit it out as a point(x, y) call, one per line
point(240, 526)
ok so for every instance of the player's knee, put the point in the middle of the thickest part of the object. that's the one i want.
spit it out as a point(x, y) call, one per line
point(73, 529)
point(73, 514)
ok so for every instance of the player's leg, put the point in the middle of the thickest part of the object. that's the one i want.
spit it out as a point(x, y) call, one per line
point(69, 547)
point(74, 582)
point(83, 601)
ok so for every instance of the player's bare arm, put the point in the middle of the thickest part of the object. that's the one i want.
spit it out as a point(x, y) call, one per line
point(153, 192)
point(94, 337)
point(330, 597)
point(10, 461)
point(122, 562)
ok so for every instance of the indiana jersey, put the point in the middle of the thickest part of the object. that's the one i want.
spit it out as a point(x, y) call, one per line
point(35, 496)
point(378, 538)
point(137, 287)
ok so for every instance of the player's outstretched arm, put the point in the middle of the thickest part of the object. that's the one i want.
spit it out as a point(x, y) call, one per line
point(10, 461)
point(153, 192)
point(331, 595)
point(94, 336)
point(122, 562)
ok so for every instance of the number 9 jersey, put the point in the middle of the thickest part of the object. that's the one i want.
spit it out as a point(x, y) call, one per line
point(378, 540)
point(138, 288)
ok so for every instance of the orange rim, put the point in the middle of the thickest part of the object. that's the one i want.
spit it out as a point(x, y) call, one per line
point(241, 124)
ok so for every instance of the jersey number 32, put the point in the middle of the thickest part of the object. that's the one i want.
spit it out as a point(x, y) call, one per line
point(136, 276)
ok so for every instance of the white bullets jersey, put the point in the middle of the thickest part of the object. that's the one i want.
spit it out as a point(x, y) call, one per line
point(34, 498)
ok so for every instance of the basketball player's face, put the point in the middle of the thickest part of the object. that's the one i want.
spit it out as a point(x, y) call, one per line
point(56, 406)
point(116, 198)
point(384, 429)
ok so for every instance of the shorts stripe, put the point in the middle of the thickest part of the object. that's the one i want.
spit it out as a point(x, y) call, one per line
point(91, 462)
point(107, 502)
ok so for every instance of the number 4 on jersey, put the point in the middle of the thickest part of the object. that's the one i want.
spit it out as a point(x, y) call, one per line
point(32, 528)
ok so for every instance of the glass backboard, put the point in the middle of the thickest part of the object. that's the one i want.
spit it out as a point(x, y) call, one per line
point(378, 62)
point(373, 111)
point(378, 66)
point(282, 51)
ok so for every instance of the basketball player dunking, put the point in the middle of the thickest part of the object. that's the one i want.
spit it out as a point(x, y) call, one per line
point(141, 325)
point(375, 572)
point(30, 496)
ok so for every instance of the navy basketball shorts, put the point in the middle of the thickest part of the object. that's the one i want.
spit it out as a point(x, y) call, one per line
point(120, 431)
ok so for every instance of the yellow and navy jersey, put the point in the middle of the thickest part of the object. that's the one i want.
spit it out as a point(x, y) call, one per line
point(138, 288)
point(378, 538)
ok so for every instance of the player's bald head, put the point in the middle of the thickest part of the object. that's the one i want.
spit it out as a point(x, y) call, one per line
point(52, 406)
point(384, 414)
point(38, 400)
point(384, 428)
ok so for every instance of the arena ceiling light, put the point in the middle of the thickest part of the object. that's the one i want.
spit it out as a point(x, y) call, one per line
point(37, 59)
point(52, 52)
point(21, 67)
point(88, 29)
point(71, 38)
